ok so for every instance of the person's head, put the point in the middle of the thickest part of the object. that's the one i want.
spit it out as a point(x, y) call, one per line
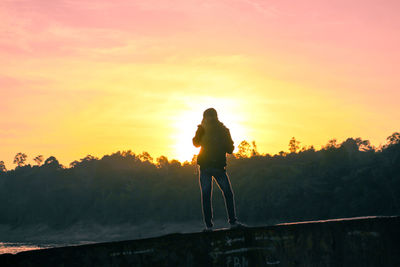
point(210, 115)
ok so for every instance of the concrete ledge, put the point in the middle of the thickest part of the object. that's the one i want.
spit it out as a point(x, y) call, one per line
point(367, 241)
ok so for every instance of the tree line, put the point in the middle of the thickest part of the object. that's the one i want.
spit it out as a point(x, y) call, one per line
point(346, 179)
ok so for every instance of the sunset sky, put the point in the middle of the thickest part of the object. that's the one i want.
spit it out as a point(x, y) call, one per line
point(97, 76)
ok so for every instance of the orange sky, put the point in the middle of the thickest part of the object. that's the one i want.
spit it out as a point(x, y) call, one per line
point(97, 76)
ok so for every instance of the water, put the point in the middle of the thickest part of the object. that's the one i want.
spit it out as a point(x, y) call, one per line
point(13, 248)
point(35, 237)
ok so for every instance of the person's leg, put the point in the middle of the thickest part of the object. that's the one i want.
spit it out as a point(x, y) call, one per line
point(224, 184)
point(206, 195)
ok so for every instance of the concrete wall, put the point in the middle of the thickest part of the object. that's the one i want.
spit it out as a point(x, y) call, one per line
point(373, 241)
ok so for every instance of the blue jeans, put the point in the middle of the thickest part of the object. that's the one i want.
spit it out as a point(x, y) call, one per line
point(224, 184)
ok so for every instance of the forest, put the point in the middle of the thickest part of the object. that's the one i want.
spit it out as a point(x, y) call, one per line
point(346, 179)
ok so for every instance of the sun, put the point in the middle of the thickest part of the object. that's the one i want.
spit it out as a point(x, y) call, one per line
point(186, 121)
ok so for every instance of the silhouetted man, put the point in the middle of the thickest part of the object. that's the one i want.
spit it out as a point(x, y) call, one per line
point(215, 141)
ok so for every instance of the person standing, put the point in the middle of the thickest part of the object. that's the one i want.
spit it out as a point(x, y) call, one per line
point(215, 141)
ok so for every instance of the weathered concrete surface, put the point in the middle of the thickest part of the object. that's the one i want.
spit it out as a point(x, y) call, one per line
point(373, 241)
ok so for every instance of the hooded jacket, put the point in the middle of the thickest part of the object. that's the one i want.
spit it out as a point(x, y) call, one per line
point(215, 141)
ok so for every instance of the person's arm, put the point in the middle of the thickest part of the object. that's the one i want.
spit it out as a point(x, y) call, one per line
point(229, 142)
point(197, 138)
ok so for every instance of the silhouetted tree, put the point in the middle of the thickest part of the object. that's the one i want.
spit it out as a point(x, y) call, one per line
point(194, 160)
point(282, 153)
point(89, 158)
point(20, 159)
point(244, 150)
point(52, 162)
point(162, 161)
point(394, 138)
point(2, 167)
point(331, 144)
point(38, 160)
point(351, 145)
point(364, 145)
point(254, 151)
point(83, 162)
point(74, 163)
point(145, 156)
point(294, 145)
point(339, 180)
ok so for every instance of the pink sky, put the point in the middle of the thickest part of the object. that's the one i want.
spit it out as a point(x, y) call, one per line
point(312, 69)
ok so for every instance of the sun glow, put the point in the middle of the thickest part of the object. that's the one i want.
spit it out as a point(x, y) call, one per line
point(185, 125)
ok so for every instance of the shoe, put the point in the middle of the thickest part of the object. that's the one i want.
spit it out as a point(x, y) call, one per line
point(237, 225)
point(208, 229)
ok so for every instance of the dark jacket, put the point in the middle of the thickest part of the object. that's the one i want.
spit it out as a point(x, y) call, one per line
point(215, 142)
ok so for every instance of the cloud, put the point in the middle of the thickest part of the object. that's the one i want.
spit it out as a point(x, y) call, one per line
point(263, 7)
